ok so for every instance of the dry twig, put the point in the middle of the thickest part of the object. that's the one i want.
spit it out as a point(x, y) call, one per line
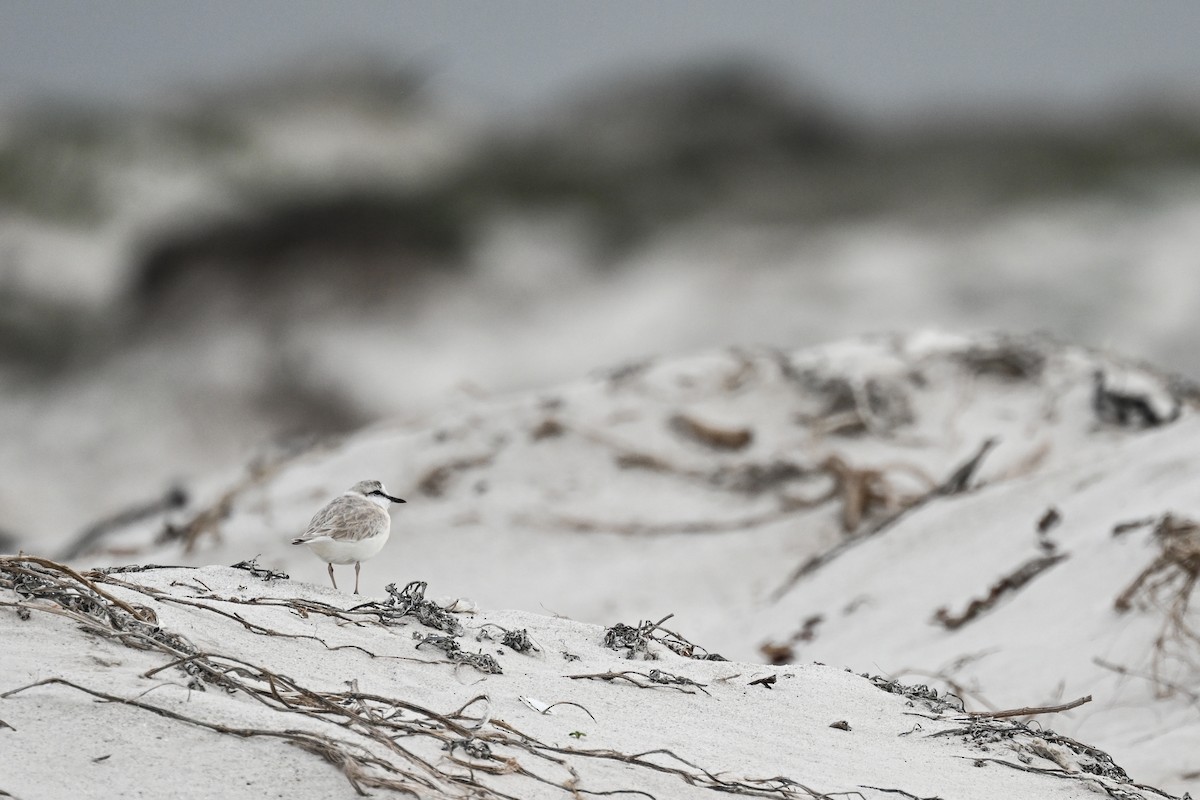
point(859, 536)
point(1167, 583)
point(1009, 584)
point(1030, 711)
point(378, 742)
point(655, 677)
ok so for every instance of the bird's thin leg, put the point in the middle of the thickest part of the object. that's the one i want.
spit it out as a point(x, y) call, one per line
point(331, 576)
point(357, 567)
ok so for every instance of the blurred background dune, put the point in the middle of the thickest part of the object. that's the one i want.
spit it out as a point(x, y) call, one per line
point(227, 227)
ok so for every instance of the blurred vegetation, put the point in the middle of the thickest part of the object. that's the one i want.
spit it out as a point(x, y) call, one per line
point(284, 231)
point(50, 165)
point(729, 142)
point(637, 158)
point(55, 161)
point(737, 143)
point(364, 82)
point(40, 337)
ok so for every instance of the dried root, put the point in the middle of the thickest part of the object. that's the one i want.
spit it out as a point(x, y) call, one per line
point(1167, 583)
point(649, 679)
point(375, 741)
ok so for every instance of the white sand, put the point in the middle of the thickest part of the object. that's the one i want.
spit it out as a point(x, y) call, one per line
point(776, 741)
point(586, 501)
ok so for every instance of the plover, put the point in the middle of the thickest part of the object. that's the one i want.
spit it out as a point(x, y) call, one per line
point(352, 528)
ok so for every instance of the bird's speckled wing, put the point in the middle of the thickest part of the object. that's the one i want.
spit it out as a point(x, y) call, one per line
point(348, 519)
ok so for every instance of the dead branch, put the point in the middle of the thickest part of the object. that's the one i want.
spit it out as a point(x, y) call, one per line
point(350, 758)
point(436, 480)
point(1167, 583)
point(16, 564)
point(778, 787)
point(1081, 777)
point(960, 480)
point(902, 793)
point(370, 734)
point(864, 492)
point(1009, 584)
point(857, 537)
point(1179, 542)
point(1030, 711)
point(655, 677)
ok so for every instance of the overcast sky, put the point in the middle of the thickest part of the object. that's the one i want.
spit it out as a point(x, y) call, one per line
point(879, 58)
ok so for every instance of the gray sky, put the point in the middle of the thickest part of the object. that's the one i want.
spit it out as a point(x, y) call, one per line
point(880, 58)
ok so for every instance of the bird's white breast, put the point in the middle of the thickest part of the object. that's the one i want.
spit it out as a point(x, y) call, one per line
point(348, 551)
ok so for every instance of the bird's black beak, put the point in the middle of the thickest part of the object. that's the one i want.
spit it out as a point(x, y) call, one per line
point(393, 499)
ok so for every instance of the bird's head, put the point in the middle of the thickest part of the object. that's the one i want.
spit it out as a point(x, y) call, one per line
point(374, 491)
